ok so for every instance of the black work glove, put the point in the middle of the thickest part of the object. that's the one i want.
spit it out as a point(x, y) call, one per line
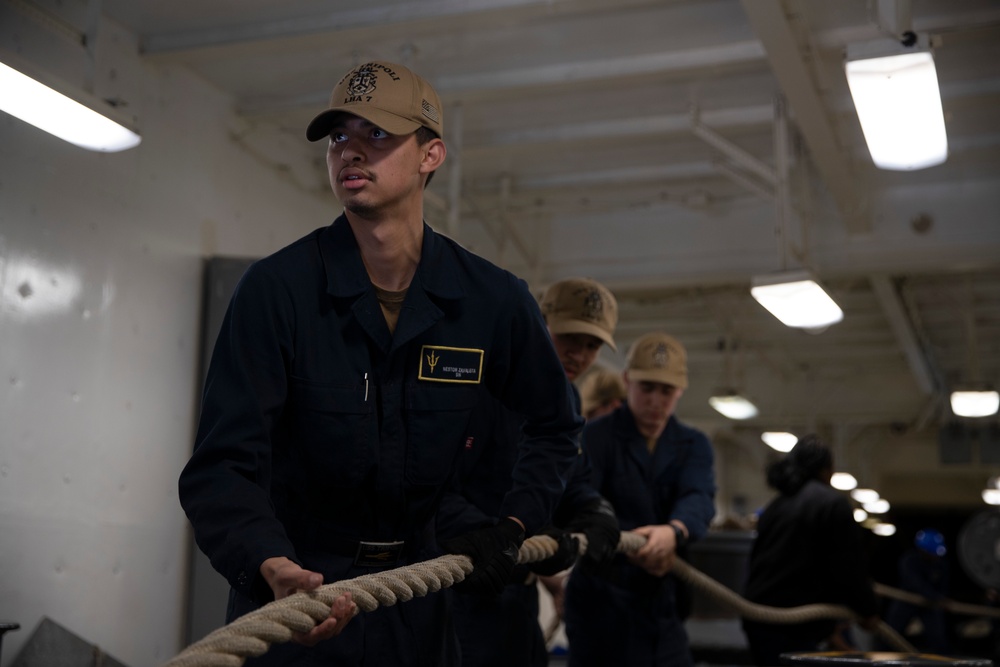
point(598, 522)
point(565, 556)
point(493, 551)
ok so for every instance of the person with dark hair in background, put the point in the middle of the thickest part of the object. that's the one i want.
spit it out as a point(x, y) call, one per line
point(581, 315)
point(923, 570)
point(659, 476)
point(337, 398)
point(808, 549)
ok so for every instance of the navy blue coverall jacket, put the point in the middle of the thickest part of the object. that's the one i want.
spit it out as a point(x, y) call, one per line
point(503, 630)
point(483, 478)
point(320, 428)
point(629, 616)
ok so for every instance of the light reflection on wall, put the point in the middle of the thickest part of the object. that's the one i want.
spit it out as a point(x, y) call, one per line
point(30, 289)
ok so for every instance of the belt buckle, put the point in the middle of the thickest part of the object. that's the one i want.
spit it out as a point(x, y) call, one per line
point(378, 554)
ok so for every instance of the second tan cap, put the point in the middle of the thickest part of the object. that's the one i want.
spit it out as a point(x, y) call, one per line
point(657, 357)
point(581, 305)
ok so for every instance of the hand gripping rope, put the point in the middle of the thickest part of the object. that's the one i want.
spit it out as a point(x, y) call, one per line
point(252, 634)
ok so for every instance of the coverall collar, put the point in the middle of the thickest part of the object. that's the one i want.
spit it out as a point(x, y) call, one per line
point(668, 445)
point(346, 275)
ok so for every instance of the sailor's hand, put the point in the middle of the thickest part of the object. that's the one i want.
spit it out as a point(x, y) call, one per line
point(658, 553)
point(286, 578)
point(493, 551)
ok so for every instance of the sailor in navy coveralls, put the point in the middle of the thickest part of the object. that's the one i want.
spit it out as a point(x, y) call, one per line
point(658, 475)
point(341, 384)
point(581, 315)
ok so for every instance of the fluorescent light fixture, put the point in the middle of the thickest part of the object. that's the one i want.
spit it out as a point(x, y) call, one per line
point(781, 441)
point(884, 529)
point(975, 403)
point(843, 481)
point(733, 406)
point(865, 495)
point(991, 496)
point(895, 91)
point(860, 515)
point(796, 299)
point(880, 506)
point(70, 115)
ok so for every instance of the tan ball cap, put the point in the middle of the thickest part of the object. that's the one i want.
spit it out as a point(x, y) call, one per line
point(383, 93)
point(657, 357)
point(581, 305)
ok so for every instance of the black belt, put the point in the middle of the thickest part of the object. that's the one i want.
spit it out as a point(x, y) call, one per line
point(378, 554)
point(371, 553)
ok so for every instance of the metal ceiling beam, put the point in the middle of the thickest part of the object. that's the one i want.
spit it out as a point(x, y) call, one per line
point(334, 21)
point(50, 20)
point(778, 35)
point(959, 16)
point(456, 138)
point(666, 172)
point(738, 155)
point(509, 229)
point(902, 327)
point(606, 69)
point(741, 179)
point(458, 87)
point(894, 16)
point(241, 35)
point(623, 128)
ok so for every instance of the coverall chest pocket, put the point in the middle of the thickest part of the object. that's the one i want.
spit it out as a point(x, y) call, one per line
point(330, 430)
point(437, 416)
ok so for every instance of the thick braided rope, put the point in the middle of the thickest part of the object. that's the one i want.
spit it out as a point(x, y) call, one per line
point(252, 634)
point(631, 542)
point(946, 604)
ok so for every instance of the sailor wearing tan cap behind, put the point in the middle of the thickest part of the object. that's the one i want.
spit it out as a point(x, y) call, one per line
point(581, 315)
point(658, 475)
point(339, 391)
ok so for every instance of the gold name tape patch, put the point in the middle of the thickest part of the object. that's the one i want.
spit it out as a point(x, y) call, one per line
point(450, 364)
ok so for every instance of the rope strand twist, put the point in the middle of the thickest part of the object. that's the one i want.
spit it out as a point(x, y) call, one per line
point(252, 634)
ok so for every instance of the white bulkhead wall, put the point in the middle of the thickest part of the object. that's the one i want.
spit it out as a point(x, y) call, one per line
point(100, 306)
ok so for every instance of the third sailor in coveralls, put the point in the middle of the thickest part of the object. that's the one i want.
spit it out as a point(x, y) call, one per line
point(658, 475)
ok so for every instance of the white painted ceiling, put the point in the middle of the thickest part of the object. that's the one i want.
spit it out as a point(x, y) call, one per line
point(635, 141)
